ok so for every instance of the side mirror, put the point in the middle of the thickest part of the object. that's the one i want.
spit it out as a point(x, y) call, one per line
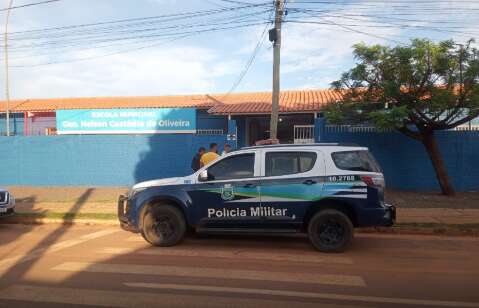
point(203, 177)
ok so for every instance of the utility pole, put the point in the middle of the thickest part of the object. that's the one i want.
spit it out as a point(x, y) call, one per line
point(7, 85)
point(275, 37)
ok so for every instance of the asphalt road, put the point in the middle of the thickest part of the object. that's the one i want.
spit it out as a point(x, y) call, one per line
point(52, 266)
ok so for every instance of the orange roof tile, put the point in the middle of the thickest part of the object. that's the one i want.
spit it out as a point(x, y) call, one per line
point(52, 104)
point(237, 103)
point(289, 102)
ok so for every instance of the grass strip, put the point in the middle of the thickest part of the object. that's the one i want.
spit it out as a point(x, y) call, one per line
point(438, 227)
point(69, 216)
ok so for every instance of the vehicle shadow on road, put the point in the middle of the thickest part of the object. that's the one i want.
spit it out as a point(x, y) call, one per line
point(22, 266)
point(26, 204)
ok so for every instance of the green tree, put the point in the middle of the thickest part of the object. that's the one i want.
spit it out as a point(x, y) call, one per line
point(416, 89)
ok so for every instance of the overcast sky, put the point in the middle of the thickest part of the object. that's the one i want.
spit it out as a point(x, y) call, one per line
point(313, 55)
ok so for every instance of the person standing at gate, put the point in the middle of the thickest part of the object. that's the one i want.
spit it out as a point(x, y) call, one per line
point(226, 149)
point(210, 156)
point(196, 161)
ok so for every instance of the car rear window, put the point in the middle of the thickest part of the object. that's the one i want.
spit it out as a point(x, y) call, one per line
point(355, 161)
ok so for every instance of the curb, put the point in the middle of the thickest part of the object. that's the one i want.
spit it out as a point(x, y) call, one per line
point(42, 221)
point(444, 230)
point(414, 228)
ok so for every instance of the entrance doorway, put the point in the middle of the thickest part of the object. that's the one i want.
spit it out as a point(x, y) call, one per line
point(257, 127)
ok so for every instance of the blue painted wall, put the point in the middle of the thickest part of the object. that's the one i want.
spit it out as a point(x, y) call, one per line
point(97, 160)
point(111, 160)
point(241, 127)
point(16, 124)
point(406, 164)
point(204, 120)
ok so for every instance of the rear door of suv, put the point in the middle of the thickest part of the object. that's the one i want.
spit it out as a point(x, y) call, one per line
point(290, 183)
point(356, 176)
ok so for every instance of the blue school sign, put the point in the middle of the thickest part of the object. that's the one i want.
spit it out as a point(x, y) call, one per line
point(126, 121)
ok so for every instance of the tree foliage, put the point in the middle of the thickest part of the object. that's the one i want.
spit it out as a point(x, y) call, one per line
point(433, 86)
point(417, 89)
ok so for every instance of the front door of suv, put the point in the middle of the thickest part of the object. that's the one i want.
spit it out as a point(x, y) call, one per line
point(229, 198)
point(290, 183)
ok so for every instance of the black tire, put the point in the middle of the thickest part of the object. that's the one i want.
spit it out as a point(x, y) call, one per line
point(163, 225)
point(330, 231)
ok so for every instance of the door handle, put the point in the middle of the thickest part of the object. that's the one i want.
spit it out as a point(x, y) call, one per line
point(309, 182)
point(248, 185)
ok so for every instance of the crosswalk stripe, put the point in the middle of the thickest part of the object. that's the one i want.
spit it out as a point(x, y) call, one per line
point(232, 254)
point(206, 272)
point(6, 263)
point(212, 241)
point(135, 238)
point(122, 299)
point(328, 296)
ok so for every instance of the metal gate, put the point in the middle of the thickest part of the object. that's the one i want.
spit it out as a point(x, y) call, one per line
point(304, 134)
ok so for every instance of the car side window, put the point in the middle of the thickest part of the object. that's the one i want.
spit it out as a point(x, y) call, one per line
point(355, 161)
point(234, 167)
point(283, 163)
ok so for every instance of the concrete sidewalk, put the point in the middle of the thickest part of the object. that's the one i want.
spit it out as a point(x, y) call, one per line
point(438, 216)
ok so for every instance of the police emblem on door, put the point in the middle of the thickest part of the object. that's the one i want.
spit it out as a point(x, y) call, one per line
point(227, 192)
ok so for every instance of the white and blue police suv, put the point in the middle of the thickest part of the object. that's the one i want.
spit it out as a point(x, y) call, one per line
point(324, 190)
point(7, 203)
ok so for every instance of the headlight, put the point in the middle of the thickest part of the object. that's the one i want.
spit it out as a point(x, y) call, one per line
point(133, 192)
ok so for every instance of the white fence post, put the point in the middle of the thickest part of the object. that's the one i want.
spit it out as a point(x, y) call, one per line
point(304, 134)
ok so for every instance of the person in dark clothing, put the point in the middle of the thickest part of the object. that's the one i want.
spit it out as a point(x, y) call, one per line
point(195, 162)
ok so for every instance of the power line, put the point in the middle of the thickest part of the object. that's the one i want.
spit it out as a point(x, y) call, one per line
point(190, 14)
point(241, 2)
point(134, 37)
point(131, 32)
point(375, 15)
point(125, 33)
point(350, 29)
point(28, 5)
point(387, 24)
point(184, 35)
point(132, 27)
point(214, 3)
point(249, 62)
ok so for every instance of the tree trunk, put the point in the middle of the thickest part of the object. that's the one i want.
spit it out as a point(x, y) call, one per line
point(432, 149)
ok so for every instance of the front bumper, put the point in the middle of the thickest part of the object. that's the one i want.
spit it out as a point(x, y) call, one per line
point(123, 214)
point(389, 218)
point(7, 208)
point(7, 212)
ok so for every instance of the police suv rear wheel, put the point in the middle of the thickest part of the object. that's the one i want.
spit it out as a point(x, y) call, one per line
point(163, 225)
point(330, 231)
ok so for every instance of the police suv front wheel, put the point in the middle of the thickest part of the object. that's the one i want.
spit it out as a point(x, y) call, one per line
point(330, 231)
point(163, 225)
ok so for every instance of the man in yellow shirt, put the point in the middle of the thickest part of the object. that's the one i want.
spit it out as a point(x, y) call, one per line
point(210, 156)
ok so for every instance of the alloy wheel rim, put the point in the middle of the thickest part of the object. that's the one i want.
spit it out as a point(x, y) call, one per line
point(331, 232)
point(164, 227)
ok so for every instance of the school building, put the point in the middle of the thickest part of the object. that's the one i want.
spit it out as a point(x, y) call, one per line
point(119, 141)
point(243, 116)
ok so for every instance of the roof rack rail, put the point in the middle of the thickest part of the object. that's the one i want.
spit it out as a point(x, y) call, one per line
point(346, 144)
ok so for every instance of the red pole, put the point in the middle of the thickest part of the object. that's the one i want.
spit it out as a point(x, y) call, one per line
point(25, 123)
